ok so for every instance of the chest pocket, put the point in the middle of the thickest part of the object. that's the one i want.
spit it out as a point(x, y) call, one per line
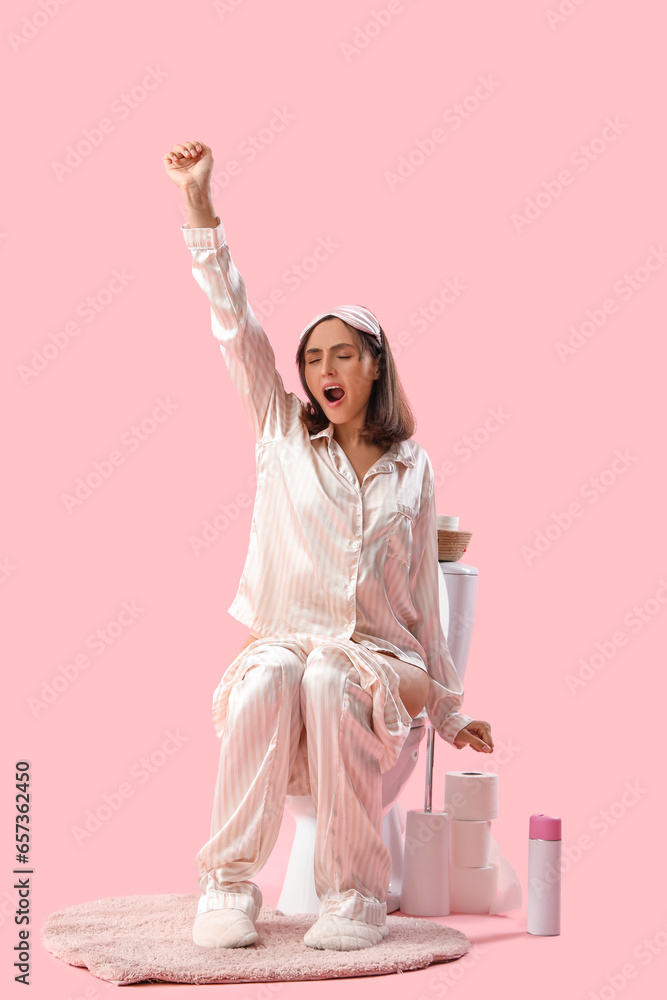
point(399, 545)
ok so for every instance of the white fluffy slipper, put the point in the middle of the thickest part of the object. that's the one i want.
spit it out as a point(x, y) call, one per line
point(343, 933)
point(225, 928)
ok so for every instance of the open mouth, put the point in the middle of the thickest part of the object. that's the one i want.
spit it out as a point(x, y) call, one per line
point(334, 394)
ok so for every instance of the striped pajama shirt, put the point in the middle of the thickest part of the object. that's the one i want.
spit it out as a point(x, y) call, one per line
point(338, 575)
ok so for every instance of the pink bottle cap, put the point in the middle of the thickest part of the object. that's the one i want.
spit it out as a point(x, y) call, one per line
point(544, 827)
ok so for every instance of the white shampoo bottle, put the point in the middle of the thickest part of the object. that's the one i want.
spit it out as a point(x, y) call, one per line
point(544, 870)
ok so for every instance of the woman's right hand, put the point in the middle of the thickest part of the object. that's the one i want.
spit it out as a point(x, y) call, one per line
point(189, 164)
point(477, 734)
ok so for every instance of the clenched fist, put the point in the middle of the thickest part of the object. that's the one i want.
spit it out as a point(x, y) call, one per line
point(189, 164)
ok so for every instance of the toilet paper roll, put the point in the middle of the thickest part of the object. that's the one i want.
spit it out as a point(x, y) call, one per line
point(425, 885)
point(472, 890)
point(471, 794)
point(469, 842)
point(447, 522)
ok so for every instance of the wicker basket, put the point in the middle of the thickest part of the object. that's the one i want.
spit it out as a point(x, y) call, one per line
point(452, 545)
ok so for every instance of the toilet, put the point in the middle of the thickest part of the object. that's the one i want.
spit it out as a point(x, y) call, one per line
point(458, 597)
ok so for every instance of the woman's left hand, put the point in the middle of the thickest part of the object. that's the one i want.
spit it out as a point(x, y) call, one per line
point(477, 734)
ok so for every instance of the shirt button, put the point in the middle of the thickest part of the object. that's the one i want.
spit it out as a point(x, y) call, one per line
point(355, 544)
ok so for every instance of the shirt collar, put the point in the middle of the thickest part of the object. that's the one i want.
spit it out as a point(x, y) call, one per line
point(399, 451)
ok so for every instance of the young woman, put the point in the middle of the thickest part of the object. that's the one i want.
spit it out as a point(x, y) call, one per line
point(340, 592)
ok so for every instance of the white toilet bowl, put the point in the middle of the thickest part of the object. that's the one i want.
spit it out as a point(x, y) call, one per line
point(458, 596)
point(298, 893)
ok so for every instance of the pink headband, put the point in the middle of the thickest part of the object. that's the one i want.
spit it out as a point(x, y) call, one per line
point(357, 316)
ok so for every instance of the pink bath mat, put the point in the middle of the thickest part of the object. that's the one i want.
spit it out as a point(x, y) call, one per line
point(133, 939)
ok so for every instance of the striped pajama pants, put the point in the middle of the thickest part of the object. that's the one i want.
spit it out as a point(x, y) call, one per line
point(300, 715)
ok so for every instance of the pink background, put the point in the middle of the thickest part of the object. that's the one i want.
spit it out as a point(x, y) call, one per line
point(219, 76)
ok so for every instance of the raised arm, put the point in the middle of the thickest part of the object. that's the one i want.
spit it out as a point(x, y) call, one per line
point(243, 343)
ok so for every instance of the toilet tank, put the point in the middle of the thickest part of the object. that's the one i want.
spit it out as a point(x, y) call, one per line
point(458, 598)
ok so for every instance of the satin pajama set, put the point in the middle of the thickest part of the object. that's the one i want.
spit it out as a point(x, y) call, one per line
point(338, 574)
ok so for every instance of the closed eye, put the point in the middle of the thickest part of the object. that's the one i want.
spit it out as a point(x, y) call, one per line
point(315, 360)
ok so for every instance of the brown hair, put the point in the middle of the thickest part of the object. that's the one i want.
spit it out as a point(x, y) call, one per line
point(389, 417)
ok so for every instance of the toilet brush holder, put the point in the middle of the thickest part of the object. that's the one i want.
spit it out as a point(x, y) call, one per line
point(425, 886)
